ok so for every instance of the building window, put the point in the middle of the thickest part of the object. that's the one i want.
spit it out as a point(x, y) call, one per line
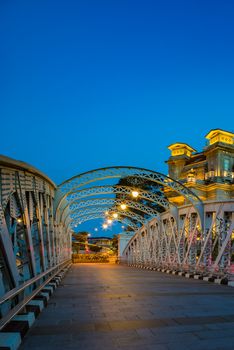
point(226, 164)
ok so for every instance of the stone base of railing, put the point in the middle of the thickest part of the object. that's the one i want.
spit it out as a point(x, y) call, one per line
point(208, 277)
point(12, 334)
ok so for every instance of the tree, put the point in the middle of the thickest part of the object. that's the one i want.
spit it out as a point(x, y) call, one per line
point(80, 240)
point(114, 242)
point(142, 184)
point(95, 248)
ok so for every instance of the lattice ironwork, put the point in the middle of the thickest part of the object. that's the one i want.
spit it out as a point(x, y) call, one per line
point(125, 222)
point(91, 210)
point(124, 190)
point(122, 172)
point(183, 245)
point(81, 186)
point(30, 241)
point(110, 202)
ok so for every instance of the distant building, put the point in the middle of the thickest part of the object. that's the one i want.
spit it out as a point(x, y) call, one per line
point(210, 173)
point(104, 242)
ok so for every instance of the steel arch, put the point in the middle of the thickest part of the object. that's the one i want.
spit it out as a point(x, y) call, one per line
point(84, 218)
point(94, 210)
point(70, 186)
point(121, 172)
point(97, 190)
point(76, 205)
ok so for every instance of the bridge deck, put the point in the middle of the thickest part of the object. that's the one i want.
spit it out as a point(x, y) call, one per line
point(101, 306)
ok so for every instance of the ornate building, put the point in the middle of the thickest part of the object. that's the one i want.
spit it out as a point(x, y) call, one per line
point(210, 173)
point(193, 234)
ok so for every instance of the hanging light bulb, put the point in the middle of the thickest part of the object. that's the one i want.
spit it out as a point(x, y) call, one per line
point(135, 194)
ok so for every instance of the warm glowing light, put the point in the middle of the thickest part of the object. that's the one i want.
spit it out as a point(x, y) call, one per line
point(135, 194)
point(106, 212)
point(104, 226)
point(123, 206)
point(115, 215)
point(19, 220)
point(109, 221)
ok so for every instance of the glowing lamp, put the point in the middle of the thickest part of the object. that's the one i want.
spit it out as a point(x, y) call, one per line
point(123, 206)
point(115, 215)
point(135, 194)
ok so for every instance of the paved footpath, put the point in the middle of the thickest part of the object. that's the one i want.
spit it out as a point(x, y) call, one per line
point(106, 307)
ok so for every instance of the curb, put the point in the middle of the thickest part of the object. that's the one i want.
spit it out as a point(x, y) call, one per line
point(196, 276)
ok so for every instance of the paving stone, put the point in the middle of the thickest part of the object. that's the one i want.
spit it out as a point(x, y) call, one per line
point(102, 307)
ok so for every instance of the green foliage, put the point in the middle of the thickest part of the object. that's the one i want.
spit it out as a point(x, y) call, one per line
point(98, 257)
point(114, 242)
point(82, 236)
point(141, 184)
point(79, 237)
point(95, 248)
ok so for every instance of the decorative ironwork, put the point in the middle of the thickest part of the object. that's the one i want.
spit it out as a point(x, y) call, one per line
point(87, 178)
point(80, 220)
point(110, 202)
point(31, 242)
point(121, 213)
point(182, 244)
point(100, 190)
point(71, 189)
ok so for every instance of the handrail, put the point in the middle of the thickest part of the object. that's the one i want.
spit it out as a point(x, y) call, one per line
point(23, 303)
point(13, 292)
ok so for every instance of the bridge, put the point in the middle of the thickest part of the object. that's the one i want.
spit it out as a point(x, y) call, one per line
point(181, 223)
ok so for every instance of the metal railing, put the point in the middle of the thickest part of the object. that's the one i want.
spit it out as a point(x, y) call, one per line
point(16, 291)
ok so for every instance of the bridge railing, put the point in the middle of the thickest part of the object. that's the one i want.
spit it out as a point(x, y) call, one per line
point(181, 244)
point(17, 298)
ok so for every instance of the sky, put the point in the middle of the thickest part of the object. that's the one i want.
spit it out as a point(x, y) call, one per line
point(86, 84)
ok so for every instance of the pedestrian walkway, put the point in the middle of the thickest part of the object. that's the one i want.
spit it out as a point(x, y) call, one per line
point(106, 307)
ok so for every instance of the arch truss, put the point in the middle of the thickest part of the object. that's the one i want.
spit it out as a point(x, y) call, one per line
point(76, 194)
point(181, 244)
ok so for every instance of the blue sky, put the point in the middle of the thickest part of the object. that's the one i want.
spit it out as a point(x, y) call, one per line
point(87, 84)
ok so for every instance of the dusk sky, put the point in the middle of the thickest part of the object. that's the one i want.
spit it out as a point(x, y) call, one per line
point(87, 84)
